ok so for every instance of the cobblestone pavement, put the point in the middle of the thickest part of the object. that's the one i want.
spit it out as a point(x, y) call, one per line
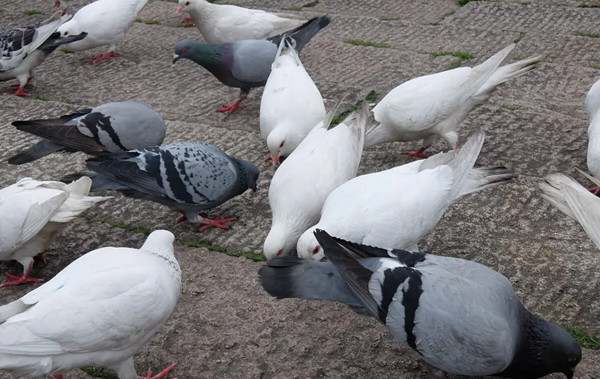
point(224, 325)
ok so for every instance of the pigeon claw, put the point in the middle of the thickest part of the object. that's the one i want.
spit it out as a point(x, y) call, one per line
point(419, 154)
point(104, 57)
point(595, 190)
point(187, 21)
point(16, 280)
point(220, 223)
point(21, 92)
point(229, 108)
point(160, 375)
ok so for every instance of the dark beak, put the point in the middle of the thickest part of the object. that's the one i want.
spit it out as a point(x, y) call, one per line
point(176, 57)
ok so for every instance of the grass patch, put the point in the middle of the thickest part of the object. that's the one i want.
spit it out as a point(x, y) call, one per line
point(138, 229)
point(300, 7)
point(201, 243)
point(463, 2)
point(587, 34)
point(99, 373)
point(148, 21)
point(66, 50)
point(595, 66)
point(587, 341)
point(462, 55)
point(371, 97)
point(32, 12)
point(588, 6)
point(195, 243)
point(390, 18)
point(361, 42)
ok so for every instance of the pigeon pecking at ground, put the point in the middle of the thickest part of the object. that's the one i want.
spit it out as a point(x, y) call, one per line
point(33, 212)
point(325, 159)
point(435, 105)
point(107, 128)
point(23, 49)
point(223, 23)
point(99, 310)
point(459, 316)
point(291, 104)
point(396, 208)
point(575, 201)
point(187, 176)
point(106, 22)
point(244, 64)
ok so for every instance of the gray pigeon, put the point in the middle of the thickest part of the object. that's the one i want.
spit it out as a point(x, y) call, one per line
point(244, 64)
point(460, 316)
point(190, 177)
point(108, 128)
point(23, 49)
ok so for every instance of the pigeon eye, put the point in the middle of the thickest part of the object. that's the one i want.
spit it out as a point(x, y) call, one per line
point(66, 33)
point(281, 145)
point(316, 249)
point(187, 3)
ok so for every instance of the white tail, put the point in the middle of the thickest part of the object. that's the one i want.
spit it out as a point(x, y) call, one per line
point(508, 72)
point(78, 201)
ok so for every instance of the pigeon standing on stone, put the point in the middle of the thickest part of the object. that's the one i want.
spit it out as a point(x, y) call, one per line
point(106, 22)
point(107, 128)
point(223, 23)
point(99, 310)
point(187, 176)
point(325, 159)
point(23, 49)
point(291, 103)
point(32, 213)
point(435, 105)
point(244, 64)
point(396, 208)
point(575, 201)
point(460, 316)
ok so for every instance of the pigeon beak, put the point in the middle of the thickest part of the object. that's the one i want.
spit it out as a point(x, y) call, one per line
point(275, 159)
point(179, 9)
point(176, 57)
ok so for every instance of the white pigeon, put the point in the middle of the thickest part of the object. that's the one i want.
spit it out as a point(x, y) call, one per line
point(100, 310)
point(575, 201)
point(592, 105)
point(396, 208)
point(291, 103)
point(222, 23)
point(435, 105)
point(105, 22)
point(325, 159)
point(32, 212)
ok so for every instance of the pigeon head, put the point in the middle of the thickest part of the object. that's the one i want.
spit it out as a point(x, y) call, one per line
point(160, 242)
point(545, 348)
point(279, 242)
point(70, 28)
point(250, 172)
point(308, 247)
point(200, 53)
point(281, 144)
point(188, 5)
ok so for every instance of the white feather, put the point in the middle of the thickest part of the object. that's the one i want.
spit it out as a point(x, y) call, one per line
point(592, 105)
point(222, 23)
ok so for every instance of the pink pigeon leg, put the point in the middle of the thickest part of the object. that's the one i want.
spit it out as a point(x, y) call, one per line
point(58, 376)
point(220, 223)
point(230, 108)
point(16, 280)
point(104, 57)
point(187, 21)
point(21, 92)
point(160, 375)
point(421, 153)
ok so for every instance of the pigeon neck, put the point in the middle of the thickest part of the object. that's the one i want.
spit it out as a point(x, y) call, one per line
point(208, 56)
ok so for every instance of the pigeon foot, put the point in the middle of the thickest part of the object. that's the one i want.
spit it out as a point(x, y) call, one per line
point(21, 92)
point(595, 190)
point(229, 108)
point(58, 376)
point(187, 21)
point(160, 375)
point(104, 57)
point(220, 223)
point(419, 154)
point(16, 280)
